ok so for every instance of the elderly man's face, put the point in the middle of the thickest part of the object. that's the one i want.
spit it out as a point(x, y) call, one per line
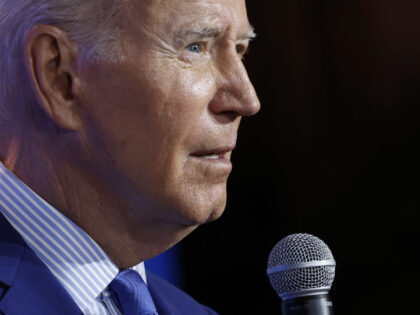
point(165, 120)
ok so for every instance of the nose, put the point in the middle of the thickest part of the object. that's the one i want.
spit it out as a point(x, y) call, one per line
point(236, 94)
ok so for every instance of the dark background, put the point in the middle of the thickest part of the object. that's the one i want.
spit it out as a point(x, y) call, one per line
point(333, 152)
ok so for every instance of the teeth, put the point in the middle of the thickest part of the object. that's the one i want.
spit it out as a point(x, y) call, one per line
point(211, 156)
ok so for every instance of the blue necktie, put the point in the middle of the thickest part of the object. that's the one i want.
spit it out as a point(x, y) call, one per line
point(131, 294)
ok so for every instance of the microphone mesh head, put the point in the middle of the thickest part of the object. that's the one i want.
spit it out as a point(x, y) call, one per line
point(291, 256)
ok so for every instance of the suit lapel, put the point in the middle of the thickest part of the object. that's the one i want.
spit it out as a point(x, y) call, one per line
point(161, 298)
point(170, 300)
point(26, 285)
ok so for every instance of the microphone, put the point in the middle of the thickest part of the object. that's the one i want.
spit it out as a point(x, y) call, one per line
point(301, 269)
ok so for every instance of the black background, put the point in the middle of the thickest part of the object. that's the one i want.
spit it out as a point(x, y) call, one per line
point(333, 152)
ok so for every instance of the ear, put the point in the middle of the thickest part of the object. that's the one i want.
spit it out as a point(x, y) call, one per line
point(50, 58)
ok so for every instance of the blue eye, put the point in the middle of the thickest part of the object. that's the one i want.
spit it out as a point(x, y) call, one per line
point(194, 48)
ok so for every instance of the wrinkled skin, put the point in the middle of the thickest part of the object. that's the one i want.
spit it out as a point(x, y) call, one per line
point(150, 157)
point(166, 102)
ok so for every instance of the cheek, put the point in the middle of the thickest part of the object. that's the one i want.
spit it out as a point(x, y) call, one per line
point(190, 96)
point(177, 110)
point(150, 121)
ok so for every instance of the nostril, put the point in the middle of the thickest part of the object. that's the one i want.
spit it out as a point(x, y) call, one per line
point(226, 117)
point(236, 97)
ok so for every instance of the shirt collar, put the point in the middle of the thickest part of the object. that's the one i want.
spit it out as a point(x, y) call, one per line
point(75, 259)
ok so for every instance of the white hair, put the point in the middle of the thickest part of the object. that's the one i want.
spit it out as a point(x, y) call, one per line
point(94, 25)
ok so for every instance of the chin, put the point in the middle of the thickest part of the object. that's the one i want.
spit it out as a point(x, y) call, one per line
point(192, 204)
point(216, 213)
point(199, 213)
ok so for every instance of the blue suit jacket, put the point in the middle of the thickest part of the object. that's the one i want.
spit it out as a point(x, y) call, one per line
point(28, 287)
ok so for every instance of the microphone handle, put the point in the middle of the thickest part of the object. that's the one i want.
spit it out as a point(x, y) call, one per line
point(320, 304)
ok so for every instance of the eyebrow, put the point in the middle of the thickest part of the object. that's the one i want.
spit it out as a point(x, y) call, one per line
point(199, 33)
point(249, 35)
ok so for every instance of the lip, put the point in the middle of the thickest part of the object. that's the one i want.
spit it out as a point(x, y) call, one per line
point(214, 169)
point(220, 151)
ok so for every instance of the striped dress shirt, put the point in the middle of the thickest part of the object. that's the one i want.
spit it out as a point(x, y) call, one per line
point(74, 258)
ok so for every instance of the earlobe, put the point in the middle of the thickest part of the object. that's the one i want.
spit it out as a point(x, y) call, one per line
point(49, 57)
